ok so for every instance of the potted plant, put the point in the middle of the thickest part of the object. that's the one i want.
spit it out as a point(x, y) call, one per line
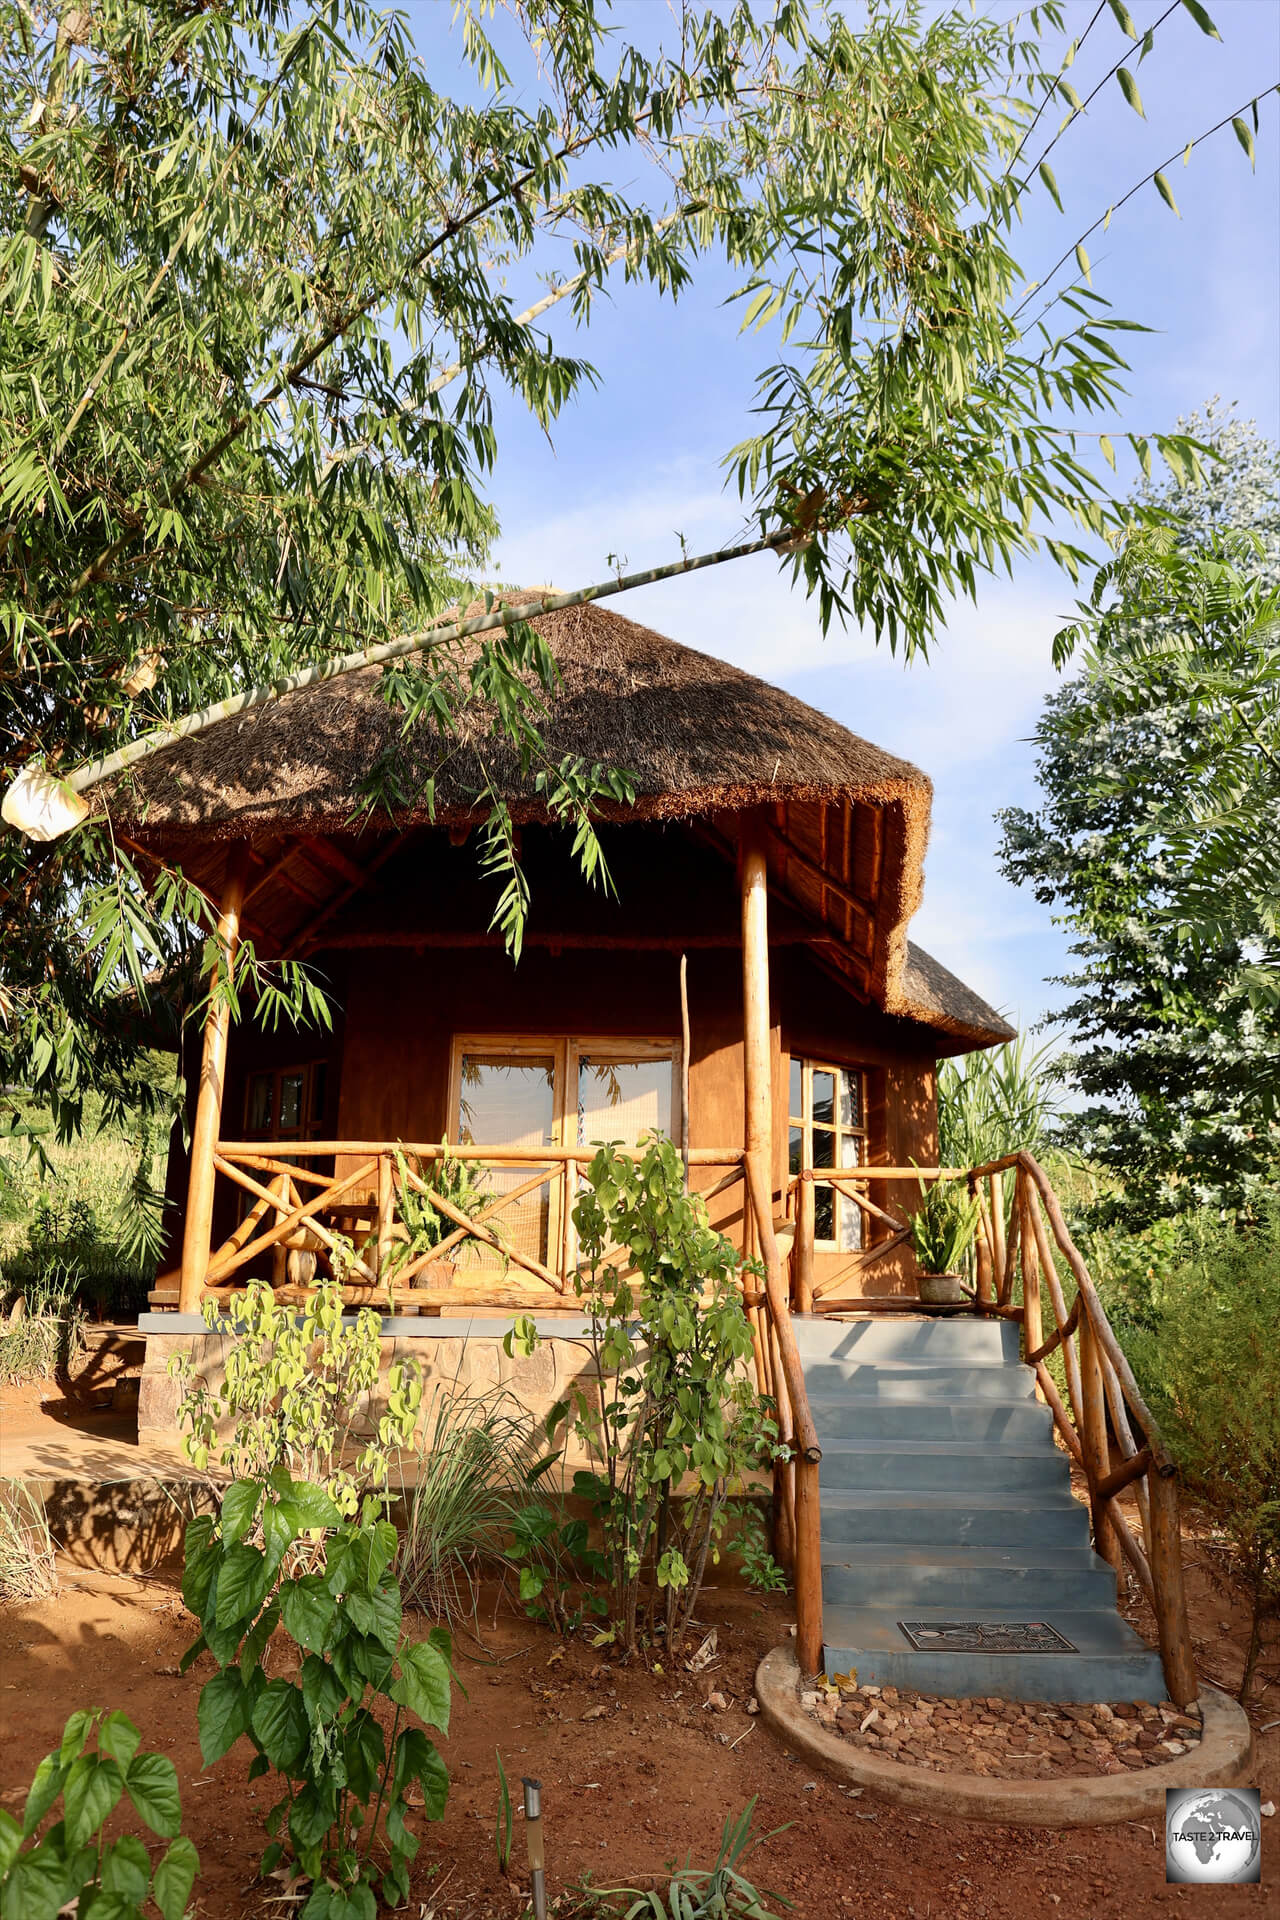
point(942, 1231)
point(424, 1226)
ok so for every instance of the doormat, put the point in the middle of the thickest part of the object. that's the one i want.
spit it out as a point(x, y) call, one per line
point(984, 1636)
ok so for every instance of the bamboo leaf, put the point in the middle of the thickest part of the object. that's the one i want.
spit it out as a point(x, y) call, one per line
point(1165, 191)
point(1122, 14)
point(1107, 451)
point(1201, 18)
point(1245, 137)
point(1129, 88)
point(1082, 261)
point(1046, 175)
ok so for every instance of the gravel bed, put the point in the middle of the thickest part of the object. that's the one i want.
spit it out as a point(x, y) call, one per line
point(1005, 1739)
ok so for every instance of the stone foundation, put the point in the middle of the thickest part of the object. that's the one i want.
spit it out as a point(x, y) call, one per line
point(462, 1356)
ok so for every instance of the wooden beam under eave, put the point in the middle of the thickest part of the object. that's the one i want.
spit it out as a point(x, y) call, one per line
point(307, 935)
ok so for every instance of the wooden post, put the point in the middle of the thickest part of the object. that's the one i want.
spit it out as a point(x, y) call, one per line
point(983, 1257)
point(386, 1217)
point(684, 1065)
point(1031, 1318)
point(996, 1185)
point(757, 1165)
point(803, 1255)
point(198, 1226)
point(1097, 1453)
point(1170, 1597)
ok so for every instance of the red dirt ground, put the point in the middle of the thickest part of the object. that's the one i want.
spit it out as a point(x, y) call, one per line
point(651, 1777)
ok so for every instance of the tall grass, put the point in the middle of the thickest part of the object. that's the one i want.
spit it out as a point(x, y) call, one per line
point(474, 1461)
point(991, 1104)
point(43, 1331)
point(28, 1570)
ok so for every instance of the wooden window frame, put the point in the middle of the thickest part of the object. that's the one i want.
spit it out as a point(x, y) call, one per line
point(567, 1051)
point(810, 1064)
point(312, 1122)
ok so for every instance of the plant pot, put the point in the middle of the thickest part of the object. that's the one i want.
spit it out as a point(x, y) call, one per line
point(941, 1290)
point(439, 1274)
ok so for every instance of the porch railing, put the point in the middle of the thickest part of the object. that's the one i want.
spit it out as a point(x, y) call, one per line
point(354, 1219)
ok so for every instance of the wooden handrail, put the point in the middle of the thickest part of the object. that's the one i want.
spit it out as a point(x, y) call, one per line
point(498, 1155)
point(1105, 1399)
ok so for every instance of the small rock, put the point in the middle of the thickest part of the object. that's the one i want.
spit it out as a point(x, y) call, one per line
point(1268, 1809)
point(870, 1720)
point(595, 1713)
point(753, 1705)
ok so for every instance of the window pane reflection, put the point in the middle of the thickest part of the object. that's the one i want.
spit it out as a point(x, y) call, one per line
point(623, 1099)
point(824, 1100)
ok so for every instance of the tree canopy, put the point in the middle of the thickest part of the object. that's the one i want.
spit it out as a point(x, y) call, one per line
point(255, 272)
point(1159, 766)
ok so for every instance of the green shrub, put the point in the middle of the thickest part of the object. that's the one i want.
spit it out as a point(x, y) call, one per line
point(28, 1569)
point(1211, 1364)
point(673, 1424)
point(298, 1393)
point(341, 1816)
point(71, 1865)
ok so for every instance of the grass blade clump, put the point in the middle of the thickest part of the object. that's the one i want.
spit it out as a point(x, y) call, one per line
point(28, 1570)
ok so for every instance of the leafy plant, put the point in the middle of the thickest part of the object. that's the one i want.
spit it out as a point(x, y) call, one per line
point(719, 1892)
point(28, 1569)
point(557, 1567)
point(672, 1423)
point(72, 1865)
point(298, 1392)
point(994, 1103)
point(1211, 1364)
point(457, 1181)
point(473, 1461)
point(943, 1225)
point(342, 1815)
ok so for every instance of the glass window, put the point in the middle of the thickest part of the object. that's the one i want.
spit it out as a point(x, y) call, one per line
point(291, 1087)
point(826, 1129)
point(620, 1099)
point(261, 1088)
point(509, 1099)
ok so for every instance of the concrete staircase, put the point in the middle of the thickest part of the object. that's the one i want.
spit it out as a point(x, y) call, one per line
point(944, 1497)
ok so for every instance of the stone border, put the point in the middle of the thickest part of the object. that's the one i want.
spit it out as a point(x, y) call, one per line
point(1224, 1758)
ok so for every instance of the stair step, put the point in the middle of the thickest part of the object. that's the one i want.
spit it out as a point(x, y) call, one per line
point(940, 1465)
point(1110, 1662)
point(917, 1382)
point(857, 1416)
point(889, 1574)
point(977, 1517)
point(903, 1338)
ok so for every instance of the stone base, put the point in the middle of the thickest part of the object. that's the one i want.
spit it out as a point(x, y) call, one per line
point(456, 1356)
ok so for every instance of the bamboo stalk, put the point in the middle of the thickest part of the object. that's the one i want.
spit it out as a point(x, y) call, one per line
point(263, 1163)
point(443, 1247)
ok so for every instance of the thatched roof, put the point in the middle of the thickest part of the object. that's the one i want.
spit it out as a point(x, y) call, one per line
point(694, 732)
point(699, 738)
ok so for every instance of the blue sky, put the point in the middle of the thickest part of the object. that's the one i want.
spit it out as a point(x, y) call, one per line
point(638, 461)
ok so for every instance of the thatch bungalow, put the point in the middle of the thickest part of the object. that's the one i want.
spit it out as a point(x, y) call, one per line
point(749, 988)
point(626, 1010)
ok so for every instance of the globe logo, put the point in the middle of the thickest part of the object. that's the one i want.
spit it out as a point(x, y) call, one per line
point(1213, 1835)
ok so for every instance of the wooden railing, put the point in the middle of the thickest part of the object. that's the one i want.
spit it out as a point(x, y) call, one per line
point(352, 1221)
point(1103, 1404)
point(1105, 1424)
